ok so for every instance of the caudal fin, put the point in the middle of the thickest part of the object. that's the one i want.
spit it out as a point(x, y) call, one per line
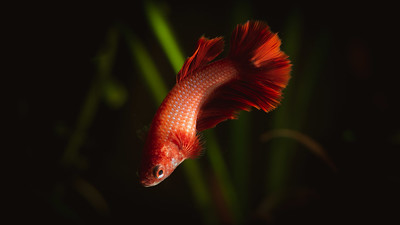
point(263, 66)
point(264, 70)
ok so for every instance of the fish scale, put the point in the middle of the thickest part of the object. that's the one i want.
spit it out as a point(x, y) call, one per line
point(182, 105)
point(252, 75)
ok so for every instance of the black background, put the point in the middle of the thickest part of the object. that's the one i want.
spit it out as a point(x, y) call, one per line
point(54, 47)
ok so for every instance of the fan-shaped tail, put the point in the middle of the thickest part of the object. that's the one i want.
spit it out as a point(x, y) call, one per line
point(264, 70)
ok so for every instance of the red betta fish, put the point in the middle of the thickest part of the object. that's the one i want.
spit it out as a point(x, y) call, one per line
point(252, 75)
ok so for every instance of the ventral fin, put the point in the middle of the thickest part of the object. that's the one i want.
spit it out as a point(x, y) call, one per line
point(189, 145)
point(206, 50)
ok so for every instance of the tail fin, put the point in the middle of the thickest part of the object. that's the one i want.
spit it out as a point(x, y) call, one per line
point(263, 66)
point(264, 70)
point(254, 44)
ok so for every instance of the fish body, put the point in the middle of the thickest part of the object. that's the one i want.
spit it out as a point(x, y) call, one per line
point(252, 75)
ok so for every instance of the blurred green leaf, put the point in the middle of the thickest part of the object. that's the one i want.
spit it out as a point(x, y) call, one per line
point(115, 94)
point(152, 79)
point(146, 66)
point(222, 174)
point(163, 33)
point(297, 98)
point(240, 144)
point(280, 151)
point(104, 62)
point(313, 146)
point(92, 195)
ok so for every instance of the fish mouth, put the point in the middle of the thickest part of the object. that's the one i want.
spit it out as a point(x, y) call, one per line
point(146, 181)
point(149, 183)
point(143, 178)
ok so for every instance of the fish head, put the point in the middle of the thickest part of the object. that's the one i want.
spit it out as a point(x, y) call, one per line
point(158, 163)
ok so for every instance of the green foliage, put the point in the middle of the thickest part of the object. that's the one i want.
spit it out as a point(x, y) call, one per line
point(234, 192)
point(233, 173)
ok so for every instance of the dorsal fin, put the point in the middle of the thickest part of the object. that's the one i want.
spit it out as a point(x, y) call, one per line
point(207, 50)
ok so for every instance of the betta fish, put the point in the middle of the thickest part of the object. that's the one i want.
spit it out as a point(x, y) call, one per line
point(206, 93)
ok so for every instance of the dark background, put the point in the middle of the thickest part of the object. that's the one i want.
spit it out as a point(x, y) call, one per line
point(353, 113)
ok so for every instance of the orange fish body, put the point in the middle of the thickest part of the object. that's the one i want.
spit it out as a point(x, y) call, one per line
point(252, 75)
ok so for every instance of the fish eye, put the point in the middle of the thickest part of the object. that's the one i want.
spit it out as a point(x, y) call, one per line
point(158, 171)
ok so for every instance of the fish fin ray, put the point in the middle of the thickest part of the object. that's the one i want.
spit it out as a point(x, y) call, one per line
point(189, 145)
point(206, 50)
point(264, 70)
